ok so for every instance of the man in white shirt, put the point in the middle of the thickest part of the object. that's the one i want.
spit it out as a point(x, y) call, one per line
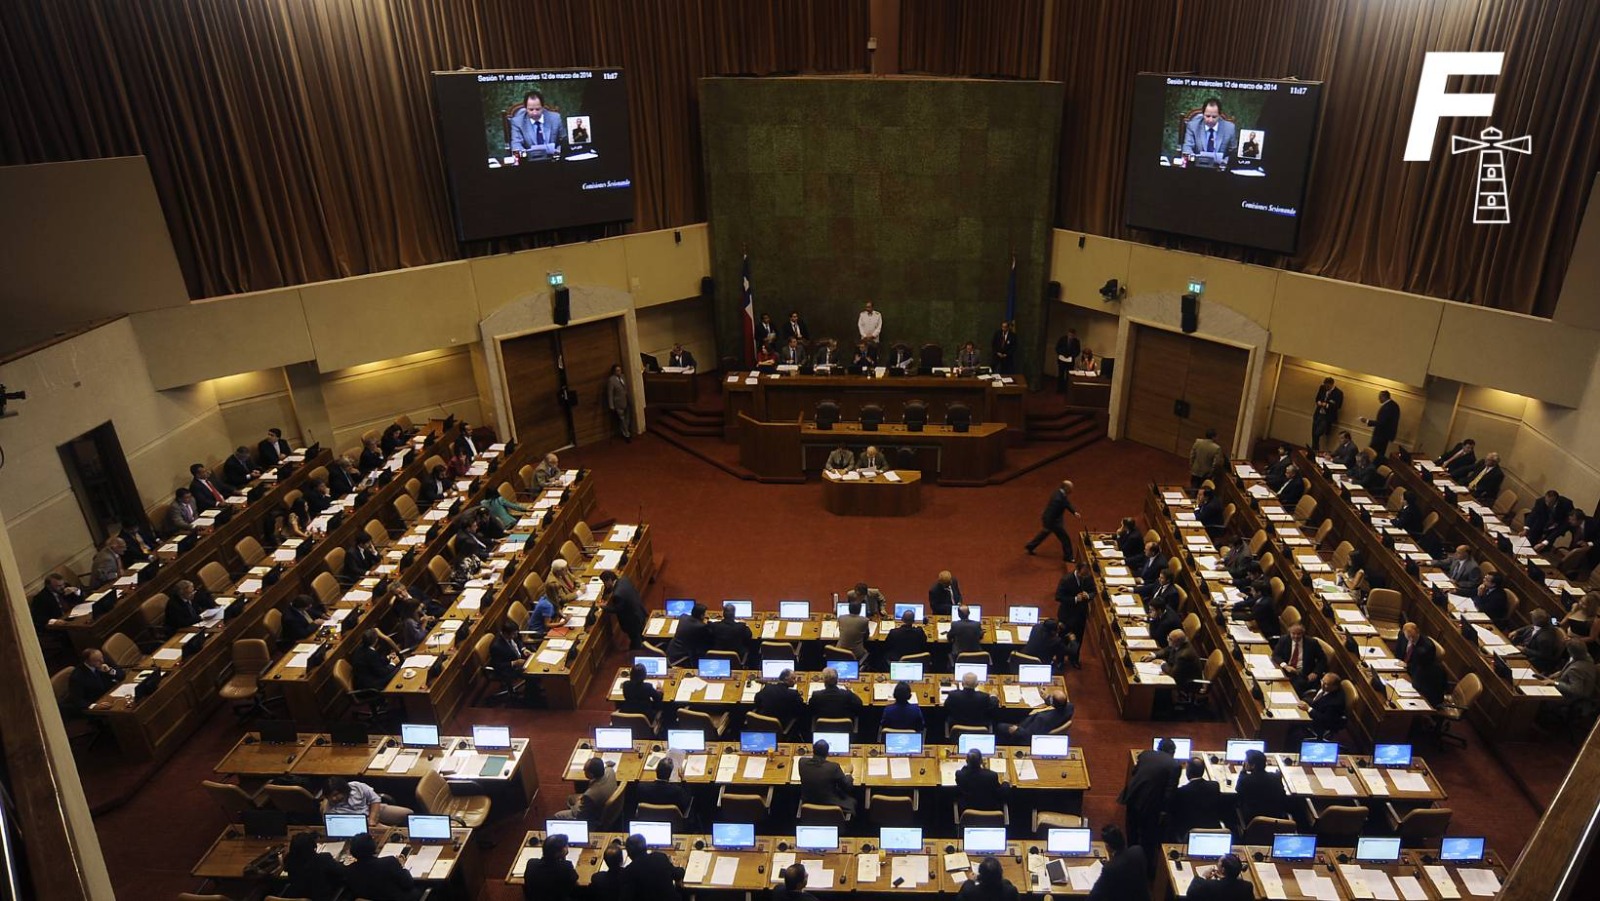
point(870, 324)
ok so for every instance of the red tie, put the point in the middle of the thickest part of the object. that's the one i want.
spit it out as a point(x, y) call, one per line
point(215, 494)
point(1294, 658)
point(1410, 646)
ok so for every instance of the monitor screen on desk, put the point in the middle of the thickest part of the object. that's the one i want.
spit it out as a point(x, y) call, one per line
point(1294, 847)
point(419, 735)
point(1391, 755)
point(1209, 844)
point(1382, 849)
point(900, 838)
point(816, 838)
point(838, 742)
point(576, 831)
point(983, 741)
point(902, 743)
point(609, 739)
point(344, 825)
point(983, 839)
point(900, 609)
point(1238, 747)
point(714, 668)
point(1023, 616)
point(794, 609)
point(428, 828)
point(1182, 750)
point(677, 607)
point(656, 834)
point(1068, 841)
point(491, 738)
point(1461, 849)
point(848, 670)
point(842, 608)
point(654, 667)
point(758, 742)
point(733, 835)
point(772, 670)
point(1319, 753)
point(1050, 745)
point(976, 612)
point(742, 607)
point(690, 740)
point(1034, 674)
point(981, 670)
point(905, 671)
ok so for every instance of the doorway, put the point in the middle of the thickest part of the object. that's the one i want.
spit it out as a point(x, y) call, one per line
point(101, 481)
point(534, 378)
point(1181, 386)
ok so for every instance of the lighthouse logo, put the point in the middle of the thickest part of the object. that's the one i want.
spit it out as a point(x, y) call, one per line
point(1491, 201)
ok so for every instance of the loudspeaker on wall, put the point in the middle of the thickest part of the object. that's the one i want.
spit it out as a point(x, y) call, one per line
point(1191, 313)
point(561, 300)
point(1052, 291)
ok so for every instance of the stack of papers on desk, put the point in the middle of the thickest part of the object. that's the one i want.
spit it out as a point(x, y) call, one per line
point(910, 869)
point(698, 867)
point(1372, 778)
point(403, 762)
point(471, 599)
point(694, 766)
point(608, 559)
point(126, 690)
point(623, 533)
point(727, 767)
point(168, 655)
point(550, 656)
point(1339, 785)
point(1318, 886)
point(300, 658)
point(420, 661)
point(1407, 781)
point(1025, 769)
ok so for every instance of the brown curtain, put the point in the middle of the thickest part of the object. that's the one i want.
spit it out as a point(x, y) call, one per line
point(297, 141)
point(1370, 217)
point(959, 37)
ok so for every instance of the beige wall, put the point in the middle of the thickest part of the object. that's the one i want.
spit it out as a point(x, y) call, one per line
point(687, 322)
point(427, 385)
point(253, 402)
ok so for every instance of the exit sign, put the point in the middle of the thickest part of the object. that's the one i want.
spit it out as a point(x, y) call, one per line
point(1197, 286)
point(556, 278)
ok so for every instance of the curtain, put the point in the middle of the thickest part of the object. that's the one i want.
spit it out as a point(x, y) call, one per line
point(297, 141)
point(1370, 217)
point(956, 37)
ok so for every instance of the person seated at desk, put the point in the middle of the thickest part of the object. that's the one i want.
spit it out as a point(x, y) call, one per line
point(606, 884)
point(184, 605)
point(1409, 517)
point(1164, 596)
point(1584, 551)
point(543, 617)
point(1326, 705)
point(865, 360)
point(680, 358)
point(967, 357)
point(872, 600)
point(832, 702)
point(536, 132)
point(904, 712)
point(1259, 609)
point(1546, 519)
point(373, 664)
point(906, 638)
point(623, 601)
point(1045, 642)
point(299, 620)
point(375, 878)
point(1196, 804)
point(138, 543)
point(504, 512)
point(1421, 657)
point(900, 360)
point(966, 633)
point(550, 877)
point(91, 678)
point(372, 458)
point(692, 639)
point(1577, 679)
point(560, 586)
point(341, 795)
point(826, 359)
point(1130, 541)
point(435, 486)
point(1484, 480)
point(638, 695)
point(548, 472)
point(766, 357)
point(1364, 471)
point(1164, 617)
point(650, 874)
point(507, 656)
point(1260, 791)
point(360, 559)
point(781, 701)
point(272, 449)
point(590, 804)
point(1300, 658)
point(1345, 452)
point(1277, 471)
point(664, 790)
point(414, 623)
point(313, 875)
point(1491, 598)
point(990, 885)
point(872, 461)
point(1208, 138)
point(1294, 488)
point(944, 595)
point(978, 787)
point(1178, 659)
point(1540, 642)
point(316, 497)
point(792, 354)
point(1222, 882)
point(53, 602)
point(182, 513)
point(1149, 573)
point(469, 540)
point(343, 477)
point(853, 631)
point(1459, 459)
point(1580, 620)
point(208, 492)
point(840, 460)
point(793, 887)
point(824, 782)
point(392, 439)
point(107, 566)
point(1049, 721)
point(729, 634)
point(967, 706)
point(1123, 877)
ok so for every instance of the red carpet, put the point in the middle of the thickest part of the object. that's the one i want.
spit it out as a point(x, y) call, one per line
point(722, 537)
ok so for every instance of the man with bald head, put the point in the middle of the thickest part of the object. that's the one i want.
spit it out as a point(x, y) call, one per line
point(92, 678)
point(1055, 509)
point(824, 782)
point(832, 702)
point(548, 471)
point(967, 706)
point(871, 459)
point(1057, 713)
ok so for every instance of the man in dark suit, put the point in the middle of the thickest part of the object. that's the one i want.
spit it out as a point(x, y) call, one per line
point(92, 678)
point(1050, 520)
point(207, 493)
point(966, 633)
point(1056, 715)
point(1260, 792)
point(1149, 574)
point(1326, 412)
point(1164, 616)
point(1485, 479)
point(1003, 349)
point(680, 358)
point(792, 354)
point(1068, 347)
point(1209, 512)
point(1300, 658)
point(796, 327)
point(1178, 659)
point(692, 639)
point(623, 600)
point(377, 878)
point(551, 876)
point(766, 329)
point(781, 701)
point(1294, 488)
point(1277, 468)
point(1464, 571)
point(360, 559)
point(1385, 425)
point(1154, 776)
point(1460, 459)
point(1421, 657)
point(435, 486)
point(823, 782)
point(650, 874)
point(1546, 519)
point(183, 607)
point(638, 695)
point(590, 804)
point(944, 595)
point(1222, 882)
point(343, 477)
point(831, 701)
point(793, 887)
point(372, 664)
point(272, 449)
point(1124, 875)
point(606, 883)
point(53, 602)
point(1196, 804)
point(1073, 594)
point(238, 470)
point(906, 638)
point(978, 787)
point(966, 706)
point(1491, 599)
point(663, 790)
point(1326, 705)
point(316, 497)
point(1541, 642)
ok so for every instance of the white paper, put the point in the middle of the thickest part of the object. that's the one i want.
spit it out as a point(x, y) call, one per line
point(1266, 876)
point(868, 867)
point(781, 861)
point(1479, 880)
point(1083, 879)
point(727, 767)
point(168, 655)
point(877, 766)
point(1410, 889)
point(727, 870)
point(755, 768)
point(1407, 781)
point(1442, 883)
point(421, 862)
point(912, 868)
point(1312, 883)
point(1025, 770)
point(404, 761)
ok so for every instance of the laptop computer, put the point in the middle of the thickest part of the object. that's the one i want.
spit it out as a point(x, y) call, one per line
point(613, 739)
point(656, 834)
point(1461, 849)
point(677, 607)
point(984, 839)
point(1074, 842)
point(758, 742)
point(1319, 753)
point(348, 733)
point(983, 741)
point(1184, 746)
point(1047, 746)
point(772, 670)
point(690, 741)
point(714, 668)
point(344, 825)
point(1022, 616)
point(1034, 674)
point(733, 836)
point(654, 667)
point(1288, 846)
point(816, 838)
point(900, 838)
point(981, 670)
point(1378, 849)
point(278, 732)
point(838, 742)
point(905, 671)
point(848, 670)
point(1238, 747)
point(1391, 755)
point(491, 738)
point(428, 828)
point(902, 743)
point(576, 831)
point(742, 607)
point(794, 610)
point(1209, 844)
point(419, 735)
point(900, 609)
point(265, 823)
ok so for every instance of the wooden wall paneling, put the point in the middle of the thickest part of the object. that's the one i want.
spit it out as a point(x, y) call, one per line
point(1160, 362)
point(591, 349)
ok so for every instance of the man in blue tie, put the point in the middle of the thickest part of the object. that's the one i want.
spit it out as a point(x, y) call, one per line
point(535, 131)
point(1208, 138)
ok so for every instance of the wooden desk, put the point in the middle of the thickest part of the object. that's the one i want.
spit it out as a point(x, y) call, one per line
point(1367, 784)
point(787, 398)
point(1335, 865)
point(880, 495)
point(967, 458)
point(1091, 391)
point(677, 389)
point(459, 864)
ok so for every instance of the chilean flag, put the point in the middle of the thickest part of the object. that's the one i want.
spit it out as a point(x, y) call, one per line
point(747, 301)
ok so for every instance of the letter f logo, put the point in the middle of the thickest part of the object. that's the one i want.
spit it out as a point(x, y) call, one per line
point(1434, 103)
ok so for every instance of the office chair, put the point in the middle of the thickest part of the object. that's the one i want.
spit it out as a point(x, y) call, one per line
point(958, 417)
point(871, 417)
point(827, 414)
point(915, 415)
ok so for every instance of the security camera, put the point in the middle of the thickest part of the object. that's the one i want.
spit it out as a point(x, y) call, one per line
point(8, 396)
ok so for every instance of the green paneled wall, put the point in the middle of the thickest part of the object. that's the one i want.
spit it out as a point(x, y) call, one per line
point(910, 192)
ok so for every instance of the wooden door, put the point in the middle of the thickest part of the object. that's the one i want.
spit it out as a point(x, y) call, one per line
point(532, 381)
point(591, 350)
point(1169, 367)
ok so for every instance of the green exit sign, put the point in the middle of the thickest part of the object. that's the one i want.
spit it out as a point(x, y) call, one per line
point(556, 278)
point(1197, 286)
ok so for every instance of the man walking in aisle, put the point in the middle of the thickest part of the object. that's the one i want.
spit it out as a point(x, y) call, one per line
point(1059, 504)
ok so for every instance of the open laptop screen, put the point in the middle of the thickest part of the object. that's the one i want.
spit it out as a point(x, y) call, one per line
point(1238, 747)
point(576, 831)
point(1378, 848)
point(1209, 844)
point(491, 738)
point(1294, 847)
point(1068, 841)
point(905, 671)
point(1461, 848)
point(983, 741)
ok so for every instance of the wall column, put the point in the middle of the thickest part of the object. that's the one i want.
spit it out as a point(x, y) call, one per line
point(883, 25)
point(305, 392)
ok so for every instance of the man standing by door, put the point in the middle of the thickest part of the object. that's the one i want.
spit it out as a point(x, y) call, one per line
point(1329, 400)
point(617, 401)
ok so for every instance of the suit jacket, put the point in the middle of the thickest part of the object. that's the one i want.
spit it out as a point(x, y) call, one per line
point(965, 635)
point(1150, 572)
point(640, 697)
point(877, 462)
point(525, 132)
point(1422, 666)
point(1210, 514)
point(380, 879)
point(979, 788)
point(604, 885)
point(236, 472)
point(433, 489)
point(47, 605)
point(1045, 721)
point(792, 356)
point(371, 668)
point(341, 481)
point(1327, 708)
point(795, 329)
point(1057, 507)
point(1261, 794)
point(1196, 804)
point(545, 879)
point(1123, 878)
point(827, 356)
point(1329, 400)
point(903, 716)
point(1072, 614)
point(592, 803)
point(903, 640)
point(1238, 889)
point(683, 358)
point(180, 614)
point(1346, 453)
point(1069, 347)
point(1466, 574)
point(973, 890)
point(675, 794)
point(1493, 603)
point(1182, 664)
point(841, 459)
point(206, 494)
point(1169, 621)
point(371, 458)
point(691, 641)
point(731, 635)
point(764, 331)
point(298, 624)
point(654, 877)
point(358, 561)
point(90, 685)
point(1197, 143)
point(1003, 342)
point(781, 702)
point(1541, 645)
point(970, 708)
point(1544, 521)
point(316, 877)
point(1386, 424)
point(1152, 781)
point(834, 703)
point(616, 395)
point(1488, 480)
point(1312, 659)
point(900, 359)
point(824, 782)
point(271, 453)
point(944, 599)
point(181, 516)
point(853, 635)
point(1292, 491)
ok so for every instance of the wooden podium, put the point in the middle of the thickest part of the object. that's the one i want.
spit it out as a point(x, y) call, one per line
point(893, 493)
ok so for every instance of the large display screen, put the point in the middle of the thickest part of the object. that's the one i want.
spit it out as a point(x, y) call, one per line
point(536, 149)
point(1221, 158)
